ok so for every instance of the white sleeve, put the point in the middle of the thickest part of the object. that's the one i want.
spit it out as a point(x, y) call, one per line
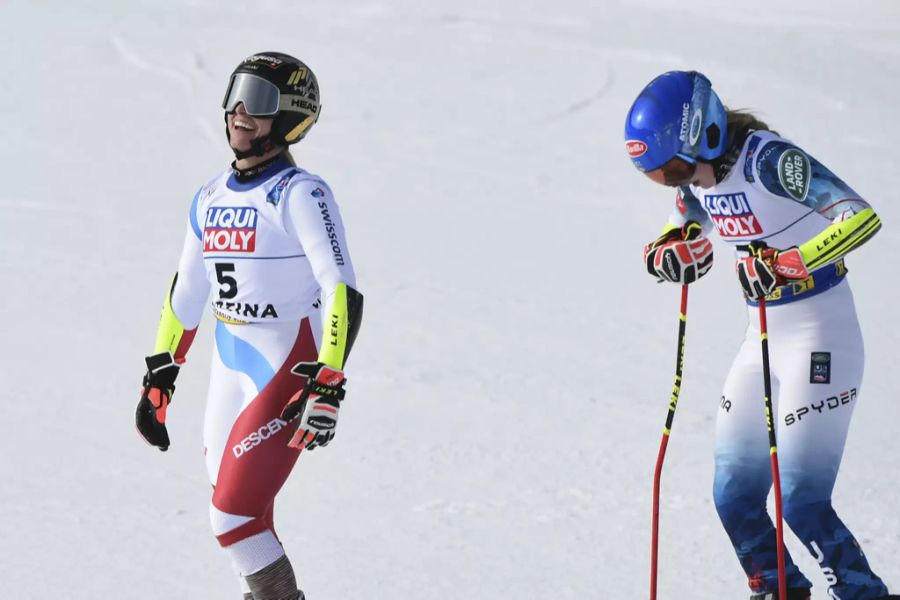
point(313, 215)
point(191, 289)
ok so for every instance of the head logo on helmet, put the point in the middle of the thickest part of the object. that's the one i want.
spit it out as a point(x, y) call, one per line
point(276, 85)
point(676, 114)
point(265, 59)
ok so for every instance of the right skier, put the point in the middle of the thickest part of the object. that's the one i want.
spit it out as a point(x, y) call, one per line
point(791, 221)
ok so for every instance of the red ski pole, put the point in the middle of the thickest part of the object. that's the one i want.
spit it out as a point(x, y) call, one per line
point(657, 475)
point(773, 449)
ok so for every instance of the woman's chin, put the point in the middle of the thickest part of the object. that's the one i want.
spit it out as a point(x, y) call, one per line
point(241, 141)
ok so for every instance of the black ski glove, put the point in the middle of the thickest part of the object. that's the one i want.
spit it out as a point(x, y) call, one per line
point(156, 395)
point(768, 268)
point(316, 404)
point(680, 255)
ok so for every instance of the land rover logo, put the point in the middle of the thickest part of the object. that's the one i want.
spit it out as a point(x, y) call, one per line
point(793, 173)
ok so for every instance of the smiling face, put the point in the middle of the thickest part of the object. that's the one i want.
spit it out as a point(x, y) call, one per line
point(244, 129)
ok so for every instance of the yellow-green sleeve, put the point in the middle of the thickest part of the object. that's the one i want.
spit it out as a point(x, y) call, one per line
point(340, 325)
point(840, 238)
point(171, 336)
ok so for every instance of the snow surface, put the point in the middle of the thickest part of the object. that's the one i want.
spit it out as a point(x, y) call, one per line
point(510, 383)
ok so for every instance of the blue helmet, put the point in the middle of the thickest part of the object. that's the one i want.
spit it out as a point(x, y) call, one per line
point(677, 114)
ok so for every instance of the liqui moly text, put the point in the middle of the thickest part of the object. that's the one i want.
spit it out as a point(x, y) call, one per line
point(732, 215)
point(230, 229)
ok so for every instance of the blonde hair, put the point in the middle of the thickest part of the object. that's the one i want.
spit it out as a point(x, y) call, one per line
point(741, 121)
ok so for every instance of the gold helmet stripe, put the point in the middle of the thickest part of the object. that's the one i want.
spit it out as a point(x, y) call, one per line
point(294, 133)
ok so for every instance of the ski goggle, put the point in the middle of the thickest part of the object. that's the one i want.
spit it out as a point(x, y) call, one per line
point(676, 172)
point(260, 97)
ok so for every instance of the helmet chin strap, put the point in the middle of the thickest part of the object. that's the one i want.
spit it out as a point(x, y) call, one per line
point(258, 147)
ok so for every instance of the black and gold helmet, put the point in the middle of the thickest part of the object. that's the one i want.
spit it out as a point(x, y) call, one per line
point(272, 84)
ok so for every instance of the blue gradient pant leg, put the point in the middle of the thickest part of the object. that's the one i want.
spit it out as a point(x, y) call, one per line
point(743, 474)
point(812, 420)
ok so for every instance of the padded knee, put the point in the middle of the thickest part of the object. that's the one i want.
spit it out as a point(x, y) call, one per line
point(223, 522)
point(254, 553)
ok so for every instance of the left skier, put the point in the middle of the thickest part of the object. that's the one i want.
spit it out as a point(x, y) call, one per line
point(268, 237)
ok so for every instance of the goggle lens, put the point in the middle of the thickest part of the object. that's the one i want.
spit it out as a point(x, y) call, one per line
point(676, 172)
point(259, 96)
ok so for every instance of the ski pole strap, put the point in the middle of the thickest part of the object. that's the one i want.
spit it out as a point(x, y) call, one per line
point(820, 280)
